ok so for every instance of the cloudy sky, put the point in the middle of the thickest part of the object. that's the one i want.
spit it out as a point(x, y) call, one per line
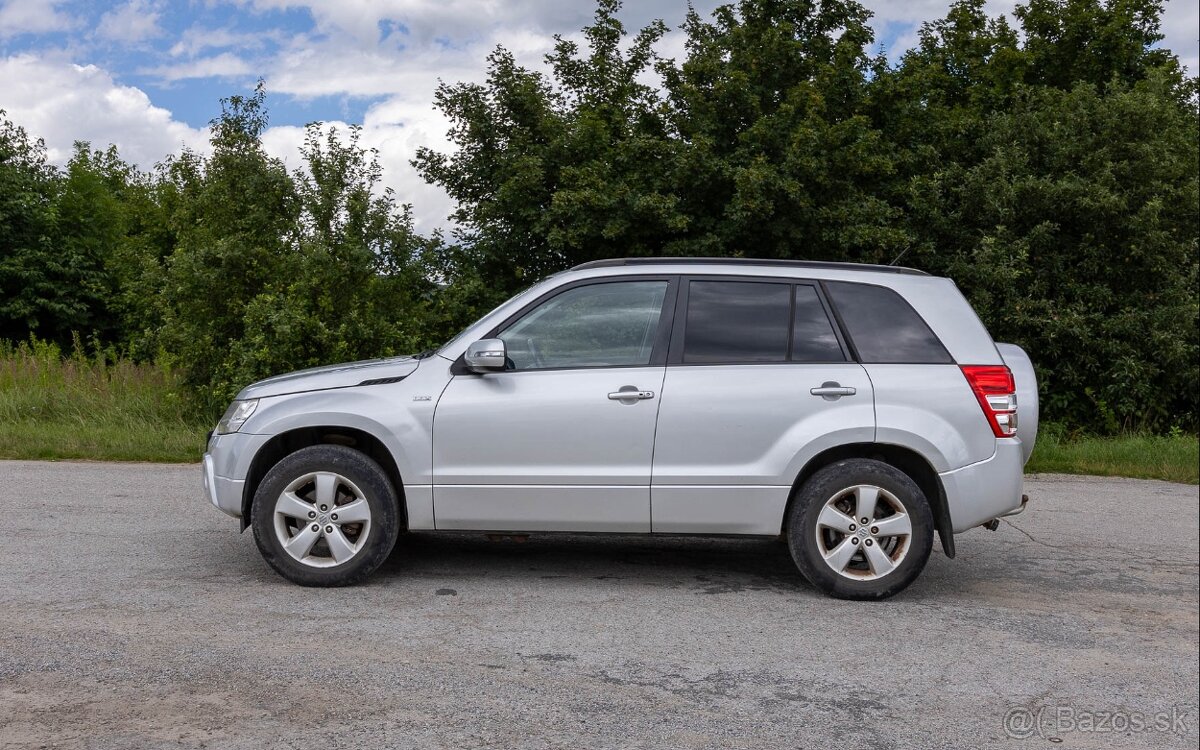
point(147, 74)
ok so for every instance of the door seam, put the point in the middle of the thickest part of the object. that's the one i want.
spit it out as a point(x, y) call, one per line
point(662, 390)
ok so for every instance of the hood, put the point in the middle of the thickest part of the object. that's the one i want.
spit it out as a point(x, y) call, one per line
point(345, 375)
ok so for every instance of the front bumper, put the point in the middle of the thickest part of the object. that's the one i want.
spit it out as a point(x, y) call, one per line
point(224, 493)
point(988, 489)
point(226, 466)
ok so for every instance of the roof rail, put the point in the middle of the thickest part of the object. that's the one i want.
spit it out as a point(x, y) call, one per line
point(611, 262)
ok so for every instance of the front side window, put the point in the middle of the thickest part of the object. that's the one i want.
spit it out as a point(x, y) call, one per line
point(599, 325)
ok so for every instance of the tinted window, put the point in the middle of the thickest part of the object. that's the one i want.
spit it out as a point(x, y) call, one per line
point(883, 327)
point(733, 321)
point(813, 339)
point(598, 325)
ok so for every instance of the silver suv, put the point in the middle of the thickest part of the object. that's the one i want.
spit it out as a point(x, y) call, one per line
point(850, 409)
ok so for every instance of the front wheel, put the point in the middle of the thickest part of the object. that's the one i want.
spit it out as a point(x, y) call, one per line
point(860, 529)
point(326, 515)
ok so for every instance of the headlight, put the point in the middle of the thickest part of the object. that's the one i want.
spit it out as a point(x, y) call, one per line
point(236, 416)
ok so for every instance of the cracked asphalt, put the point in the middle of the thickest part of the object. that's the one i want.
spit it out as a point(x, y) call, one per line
point(135, 616)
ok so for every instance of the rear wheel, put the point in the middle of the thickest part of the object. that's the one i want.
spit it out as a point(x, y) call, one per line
point(326, 515)
point(860, 529)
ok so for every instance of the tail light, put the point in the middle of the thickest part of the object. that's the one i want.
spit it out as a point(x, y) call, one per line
point(996, 391)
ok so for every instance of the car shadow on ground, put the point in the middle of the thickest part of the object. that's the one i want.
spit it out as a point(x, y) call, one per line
point(719, 564)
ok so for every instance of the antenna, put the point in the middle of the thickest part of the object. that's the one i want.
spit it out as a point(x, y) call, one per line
point(901, 255)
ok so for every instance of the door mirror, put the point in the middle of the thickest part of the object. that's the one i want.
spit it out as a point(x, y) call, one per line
point(486, 355)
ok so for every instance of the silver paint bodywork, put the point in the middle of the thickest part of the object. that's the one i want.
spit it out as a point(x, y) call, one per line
point(704, 449)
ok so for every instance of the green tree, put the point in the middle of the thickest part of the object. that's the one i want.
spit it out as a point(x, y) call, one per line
point(758, 146)
point(33, 275)
point(235, 215)
point(1061, 199)
point(81, 246)
point(350, 285)
point(275, 271)
point(1093, 41)
point(553, 170)
point(777, 156)
point(90, 228)
point(1080, 243)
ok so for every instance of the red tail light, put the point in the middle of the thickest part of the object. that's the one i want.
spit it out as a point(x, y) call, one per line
point(996, 391)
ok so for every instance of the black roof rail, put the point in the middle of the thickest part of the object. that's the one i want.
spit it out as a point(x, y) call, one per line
point(831, 265)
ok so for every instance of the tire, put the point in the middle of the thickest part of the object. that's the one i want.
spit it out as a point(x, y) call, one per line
point(822, 534)
point(325, 547)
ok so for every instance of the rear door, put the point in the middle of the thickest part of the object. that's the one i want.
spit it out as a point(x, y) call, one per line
point(758, 381)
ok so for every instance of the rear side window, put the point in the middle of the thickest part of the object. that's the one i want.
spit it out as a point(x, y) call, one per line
point(731, 322)
point(884, 328)
point(813, 339)
point(737, 321)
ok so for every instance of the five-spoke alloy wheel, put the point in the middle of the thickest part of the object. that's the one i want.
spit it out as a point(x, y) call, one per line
point(860, 529)
point(322, 519)
point(326, 515)
point(863, 533)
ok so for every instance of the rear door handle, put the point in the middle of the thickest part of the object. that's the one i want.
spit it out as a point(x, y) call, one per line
point(831, 391)
point(630, 393)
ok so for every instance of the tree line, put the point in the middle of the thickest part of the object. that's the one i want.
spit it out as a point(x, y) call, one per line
point(1049, 166)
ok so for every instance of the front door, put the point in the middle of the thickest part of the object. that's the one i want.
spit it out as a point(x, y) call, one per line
point(563, 439)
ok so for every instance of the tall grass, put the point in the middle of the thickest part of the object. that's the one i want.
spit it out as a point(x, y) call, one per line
point(93, 405)
point(1174, 457)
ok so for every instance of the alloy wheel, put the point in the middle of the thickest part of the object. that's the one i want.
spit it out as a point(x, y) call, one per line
point(863, 532)
point(322, 519)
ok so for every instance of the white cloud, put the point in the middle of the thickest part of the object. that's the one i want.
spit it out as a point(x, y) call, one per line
point(357, 49)
point(223, 65)
point(62, 103)
point(135, 21)
point(396, 144)
point(198, 39)
point(32, 17)
point(348, 54)
point(460, 20)
point(1180, 22)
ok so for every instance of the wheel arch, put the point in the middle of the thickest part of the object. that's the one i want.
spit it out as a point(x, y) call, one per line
point(907, 460)
point(286, 443)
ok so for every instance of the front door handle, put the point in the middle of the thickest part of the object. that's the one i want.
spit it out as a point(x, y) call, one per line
point(630, 393)
point(832, 390)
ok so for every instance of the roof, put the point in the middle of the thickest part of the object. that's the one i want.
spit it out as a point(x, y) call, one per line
point(611, 262)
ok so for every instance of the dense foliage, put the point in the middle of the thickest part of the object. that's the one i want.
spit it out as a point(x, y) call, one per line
point(1049, 166)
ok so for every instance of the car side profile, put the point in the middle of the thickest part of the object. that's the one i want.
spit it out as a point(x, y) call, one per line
point(853, 410)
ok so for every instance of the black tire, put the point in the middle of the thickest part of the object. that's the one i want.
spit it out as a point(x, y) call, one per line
point(376, 489)
point(836, 480)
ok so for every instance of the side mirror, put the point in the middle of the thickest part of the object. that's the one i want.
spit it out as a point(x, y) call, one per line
point(486, 355)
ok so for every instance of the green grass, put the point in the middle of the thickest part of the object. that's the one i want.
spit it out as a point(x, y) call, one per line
point(104, 408)
point(93, 407)
point(1175, 458)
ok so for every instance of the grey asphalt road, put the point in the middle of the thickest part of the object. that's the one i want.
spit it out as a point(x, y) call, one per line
point(135, 616)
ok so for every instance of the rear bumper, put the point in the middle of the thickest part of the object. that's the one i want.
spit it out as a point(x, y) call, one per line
point(977, 493)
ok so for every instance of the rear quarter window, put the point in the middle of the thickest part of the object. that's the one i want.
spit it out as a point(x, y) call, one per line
point(883, 327)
